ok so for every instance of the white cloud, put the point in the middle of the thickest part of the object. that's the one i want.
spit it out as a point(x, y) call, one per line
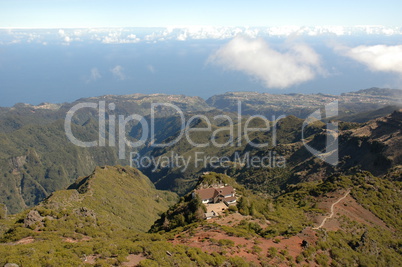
point(377, 58)
point(133, 38)
point(64, 36)
point(185, 33)
point(299, 63)
point(95, 75)
point(115, 36)
point(182, 36)
point(118, 72)
point(110, 40)
point(151, 68)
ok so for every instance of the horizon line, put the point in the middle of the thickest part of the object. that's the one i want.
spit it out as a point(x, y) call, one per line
point(189, 26)
point(205, 98)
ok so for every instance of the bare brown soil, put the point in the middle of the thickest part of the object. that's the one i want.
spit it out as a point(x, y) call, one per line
point(133, 260)
point(255, 249)
point(74, 240)
point(244, 248)
point(235, 218)
point(346, 207)
point(91, 259)
point(26, 240)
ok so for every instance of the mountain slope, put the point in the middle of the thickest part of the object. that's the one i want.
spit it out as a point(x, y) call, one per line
point(374, 146)
point(362, 117)
point(345, 220)
point(231, 158)
point(37, 158)
point(99, 221)
point(112, 198)
point(302, 105)
point(121, 196)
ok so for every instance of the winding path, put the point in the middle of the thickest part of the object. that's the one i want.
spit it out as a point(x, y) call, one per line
point(332, 210)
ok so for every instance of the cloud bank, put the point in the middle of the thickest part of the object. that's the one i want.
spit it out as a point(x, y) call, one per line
point(182, 33)
point(276, 69)
point(377, 58)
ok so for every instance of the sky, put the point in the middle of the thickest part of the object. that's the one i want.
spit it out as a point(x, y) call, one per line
point(62, 50)
point(156, 13)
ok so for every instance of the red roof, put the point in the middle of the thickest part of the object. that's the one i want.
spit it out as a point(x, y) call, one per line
point(207, 193)
point(227, 190)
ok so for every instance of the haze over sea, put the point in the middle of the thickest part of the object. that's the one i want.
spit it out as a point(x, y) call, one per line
point(62, 65)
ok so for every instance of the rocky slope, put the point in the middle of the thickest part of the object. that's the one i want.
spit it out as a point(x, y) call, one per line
point(302, 105)
point(375, 146)
point(36, 158)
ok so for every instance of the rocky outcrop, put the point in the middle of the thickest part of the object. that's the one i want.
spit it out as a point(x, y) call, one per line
point(33, 219)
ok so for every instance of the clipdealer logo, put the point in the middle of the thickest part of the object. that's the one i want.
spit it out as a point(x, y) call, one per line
point(331, 152)
point(238, 129)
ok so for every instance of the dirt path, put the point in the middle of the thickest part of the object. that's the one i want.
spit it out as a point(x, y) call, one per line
point(332, 210)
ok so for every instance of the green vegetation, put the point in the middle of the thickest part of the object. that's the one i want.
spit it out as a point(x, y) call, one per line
point(213, 178)
point(99, 218)
point(82, 213)
point(381, 197)
point(268, 181)
point(37, 160)
point(52, 251)
point(113, 200)
point(104, 217)
point(302, 105)
point(3, 211)
point(188, 210)
point(236, 163)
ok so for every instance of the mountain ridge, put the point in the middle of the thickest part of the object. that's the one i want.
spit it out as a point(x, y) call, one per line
point(28, 130)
